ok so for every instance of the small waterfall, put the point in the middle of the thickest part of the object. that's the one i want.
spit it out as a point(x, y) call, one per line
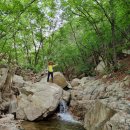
point(63, 106)
point(64, 113)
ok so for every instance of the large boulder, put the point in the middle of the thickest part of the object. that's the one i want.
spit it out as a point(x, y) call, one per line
point(97, 116)
point(59, 79)
point(44, 79)
point(18, 80)
point(100, 67)
point(120, 121)
point(75, 82)
point(42, 101)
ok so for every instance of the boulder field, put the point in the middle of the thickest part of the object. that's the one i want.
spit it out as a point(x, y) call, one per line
point(102, 106)
point(99, 105)
point(36, 100)
point(40, 99)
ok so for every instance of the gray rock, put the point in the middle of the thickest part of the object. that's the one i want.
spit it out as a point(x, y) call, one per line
point(113, 97)
point(66, 95)
point(42, 102)
point(75, 82)
point(8, 123)
point(97, 116)
point(18, 81)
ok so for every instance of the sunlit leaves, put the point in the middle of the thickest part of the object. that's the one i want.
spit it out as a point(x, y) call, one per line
point(27, 23)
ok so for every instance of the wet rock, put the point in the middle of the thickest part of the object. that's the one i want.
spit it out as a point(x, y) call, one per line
point(66, 95)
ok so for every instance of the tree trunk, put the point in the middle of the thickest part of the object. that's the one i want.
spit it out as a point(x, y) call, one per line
point(6, 88)
point(113, 40)
point(15, 49)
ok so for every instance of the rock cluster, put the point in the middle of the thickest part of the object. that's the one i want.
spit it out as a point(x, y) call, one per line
point(37, 100)
point(7, 122)
point(102, 106)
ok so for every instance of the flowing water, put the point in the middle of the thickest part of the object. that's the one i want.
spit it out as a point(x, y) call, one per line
point(64, 113)
point(64, 121)
point(52, 124)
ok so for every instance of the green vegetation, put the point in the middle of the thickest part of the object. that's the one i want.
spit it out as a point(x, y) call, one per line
point(128, 72)
point(90, 29)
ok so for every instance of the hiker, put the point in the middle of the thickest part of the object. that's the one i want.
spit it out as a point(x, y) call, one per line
point(50, 70)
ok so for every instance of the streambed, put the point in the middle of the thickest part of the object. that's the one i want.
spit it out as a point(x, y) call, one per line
point(52, 124)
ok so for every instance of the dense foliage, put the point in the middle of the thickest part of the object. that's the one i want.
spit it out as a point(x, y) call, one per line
point(76, 34)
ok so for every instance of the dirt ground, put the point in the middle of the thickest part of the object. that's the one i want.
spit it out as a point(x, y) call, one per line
point(123, 71)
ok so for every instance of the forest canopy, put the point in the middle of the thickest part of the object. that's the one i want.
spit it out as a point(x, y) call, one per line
point(76, 34)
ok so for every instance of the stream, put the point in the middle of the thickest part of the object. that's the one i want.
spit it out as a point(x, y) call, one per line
point(52, 124)
point(63, 121)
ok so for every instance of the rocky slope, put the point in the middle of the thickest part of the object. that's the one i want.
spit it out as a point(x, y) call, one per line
point(36, 100)
point(102, 106)
point(40, 99)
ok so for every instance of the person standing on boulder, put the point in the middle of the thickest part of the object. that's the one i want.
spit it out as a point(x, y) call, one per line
point(50, 70)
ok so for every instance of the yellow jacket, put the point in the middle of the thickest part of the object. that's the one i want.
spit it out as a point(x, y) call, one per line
point(50, 68)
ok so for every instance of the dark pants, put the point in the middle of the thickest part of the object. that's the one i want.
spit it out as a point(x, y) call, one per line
point(50, 73)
